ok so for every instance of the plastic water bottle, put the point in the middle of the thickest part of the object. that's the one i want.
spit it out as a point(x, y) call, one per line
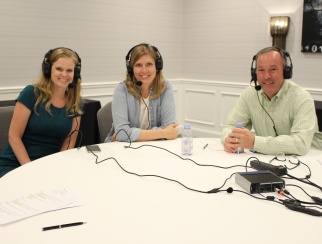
point(240, 149)
point(186, 141)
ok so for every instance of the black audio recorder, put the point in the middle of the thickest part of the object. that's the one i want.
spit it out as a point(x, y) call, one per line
point(259, 181)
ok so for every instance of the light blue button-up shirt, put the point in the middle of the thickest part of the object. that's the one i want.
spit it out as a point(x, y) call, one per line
point(126, 112)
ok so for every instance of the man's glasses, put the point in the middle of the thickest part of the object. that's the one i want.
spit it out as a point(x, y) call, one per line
point(292, 159)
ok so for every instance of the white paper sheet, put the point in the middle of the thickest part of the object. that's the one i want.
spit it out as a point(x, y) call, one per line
point(34, 203)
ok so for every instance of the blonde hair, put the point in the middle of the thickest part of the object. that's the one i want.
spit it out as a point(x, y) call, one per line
point(43, 89)
point(158, 83)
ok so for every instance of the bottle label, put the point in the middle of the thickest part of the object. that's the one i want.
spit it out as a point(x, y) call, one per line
point(187, 146)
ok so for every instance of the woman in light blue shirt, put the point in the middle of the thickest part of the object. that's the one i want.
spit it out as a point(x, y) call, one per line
point(143, 106)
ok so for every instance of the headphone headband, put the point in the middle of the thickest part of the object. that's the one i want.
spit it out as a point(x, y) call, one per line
point(46, 66)
point(158, 60)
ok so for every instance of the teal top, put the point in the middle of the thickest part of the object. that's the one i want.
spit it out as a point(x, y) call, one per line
point(44, 132)
point(293, 112)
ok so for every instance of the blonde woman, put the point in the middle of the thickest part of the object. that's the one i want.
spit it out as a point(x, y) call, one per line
point(46, 117)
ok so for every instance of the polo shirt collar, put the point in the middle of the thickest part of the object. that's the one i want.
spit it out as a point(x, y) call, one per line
point(283, 89)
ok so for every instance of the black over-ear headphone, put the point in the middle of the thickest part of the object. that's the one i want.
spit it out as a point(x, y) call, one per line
point(46, 66)
point(287, 71)
point(158, 60)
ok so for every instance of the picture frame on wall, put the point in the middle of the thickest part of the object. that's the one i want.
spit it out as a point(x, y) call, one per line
point(312, 26)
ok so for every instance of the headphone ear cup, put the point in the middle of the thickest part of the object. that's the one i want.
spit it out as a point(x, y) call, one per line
point(46, 65)
point(46, 69)
point(253, 73)
point(129, 69)
point(128, 61)
point(253, 70)
point(77, 71)
point(159, 64)
point(287, 72)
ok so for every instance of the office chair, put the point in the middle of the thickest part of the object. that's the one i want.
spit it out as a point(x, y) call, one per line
point(105, 120)
point(6, 116)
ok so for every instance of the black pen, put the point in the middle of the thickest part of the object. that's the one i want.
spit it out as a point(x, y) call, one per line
point(205, 146)
point(62, 226)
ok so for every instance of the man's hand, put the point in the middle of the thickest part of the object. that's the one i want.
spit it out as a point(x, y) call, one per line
point(239, 137)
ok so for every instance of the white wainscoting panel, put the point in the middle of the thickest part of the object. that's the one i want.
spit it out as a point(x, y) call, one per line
point(228, 101)
point(178, 98)
point(199, 109)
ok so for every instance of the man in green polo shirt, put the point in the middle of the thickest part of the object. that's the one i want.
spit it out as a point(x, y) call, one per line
point(281, 113)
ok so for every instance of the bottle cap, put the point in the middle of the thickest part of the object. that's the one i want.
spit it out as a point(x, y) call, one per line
point(186, 126)
point(239, 125)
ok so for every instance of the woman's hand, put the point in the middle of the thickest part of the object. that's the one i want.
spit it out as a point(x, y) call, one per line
point(171, 132)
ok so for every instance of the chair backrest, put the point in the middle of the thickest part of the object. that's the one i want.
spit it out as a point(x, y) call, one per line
point(105, 120)
point(318, 109)
point(5, 120)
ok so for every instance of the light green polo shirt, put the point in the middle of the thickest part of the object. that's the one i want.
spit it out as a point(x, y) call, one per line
point(293, 112)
